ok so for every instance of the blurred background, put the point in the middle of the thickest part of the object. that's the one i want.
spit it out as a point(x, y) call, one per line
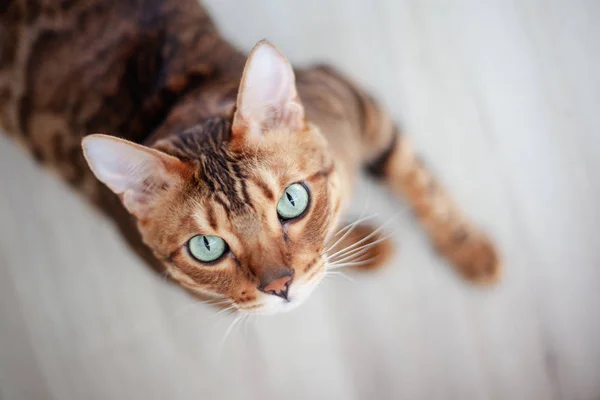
point(501, 97)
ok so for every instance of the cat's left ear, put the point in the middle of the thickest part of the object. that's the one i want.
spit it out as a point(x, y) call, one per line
point(267, 98)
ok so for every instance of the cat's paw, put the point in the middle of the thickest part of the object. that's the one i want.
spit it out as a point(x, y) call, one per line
point(475, 257)
point(363, 249)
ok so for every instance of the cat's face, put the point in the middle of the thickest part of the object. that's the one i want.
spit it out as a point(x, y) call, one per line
point(249, 224)
point(239, 210)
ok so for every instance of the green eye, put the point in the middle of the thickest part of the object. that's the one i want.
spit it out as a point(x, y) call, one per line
point(293, 202)
point(207, 248)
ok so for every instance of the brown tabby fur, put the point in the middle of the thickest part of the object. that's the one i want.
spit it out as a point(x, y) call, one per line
point(156, 72)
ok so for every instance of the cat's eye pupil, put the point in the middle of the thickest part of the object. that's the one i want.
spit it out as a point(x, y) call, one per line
point(290, 198)
point(206, 248)
point(294, 202)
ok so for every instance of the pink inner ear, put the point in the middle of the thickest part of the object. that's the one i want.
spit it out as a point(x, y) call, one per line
point(138, 174)
point(139, 201)
point(268, 98)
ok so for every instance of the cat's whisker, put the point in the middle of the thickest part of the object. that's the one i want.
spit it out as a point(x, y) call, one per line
point(354, 258)
point(353, 263)
point(370, 235)
point(349, 231)
point(359, 258)
point(354, 254)
point(228, 331)
point(324, 279)
point(231, 307)
point(213, 302)
point(362, 213)
point(359, 250)
point(246, 323)
point(339, 273)
point(351, 247)
point(216, 302)
point(185, 308)
point(242, 323)
point(352, 224)
point(227, 313)
point(351, 255)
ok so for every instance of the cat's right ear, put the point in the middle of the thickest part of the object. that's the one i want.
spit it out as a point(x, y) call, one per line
point(138, 174)
point(267, 98)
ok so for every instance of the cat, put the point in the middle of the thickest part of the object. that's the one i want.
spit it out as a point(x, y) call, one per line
point(229, 173)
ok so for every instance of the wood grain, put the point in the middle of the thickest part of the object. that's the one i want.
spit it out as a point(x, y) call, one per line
point(502, 97)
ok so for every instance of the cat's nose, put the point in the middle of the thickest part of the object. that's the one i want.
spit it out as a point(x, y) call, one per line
point(278, 286)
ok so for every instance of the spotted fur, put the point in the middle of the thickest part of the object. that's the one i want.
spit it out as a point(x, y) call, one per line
point(157, 73)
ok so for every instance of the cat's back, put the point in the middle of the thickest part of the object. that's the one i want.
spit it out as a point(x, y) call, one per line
point(73, 67)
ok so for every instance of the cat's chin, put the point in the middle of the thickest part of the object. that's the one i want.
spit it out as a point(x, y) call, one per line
point(299, 293)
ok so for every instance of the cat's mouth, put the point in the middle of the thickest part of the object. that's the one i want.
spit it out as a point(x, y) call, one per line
point(299, 292)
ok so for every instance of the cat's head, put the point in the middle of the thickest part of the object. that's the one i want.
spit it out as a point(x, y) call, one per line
point(237, 209)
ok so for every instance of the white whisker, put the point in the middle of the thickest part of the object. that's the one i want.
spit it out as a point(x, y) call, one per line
point(357, 252)
point(214, 302)
point(353, 263)
point(348, 225)
point(231, 307)
point(351, 226)
point(338, 273)
point(358, 258)
point(375, 232)
point(353, 245)
point(340, 231)
point(246, 323)
point(228, 331)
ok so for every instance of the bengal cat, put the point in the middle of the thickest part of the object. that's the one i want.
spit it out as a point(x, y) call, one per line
point(228, 174)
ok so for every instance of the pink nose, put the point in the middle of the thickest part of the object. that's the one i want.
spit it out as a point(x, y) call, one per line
point(278, 287)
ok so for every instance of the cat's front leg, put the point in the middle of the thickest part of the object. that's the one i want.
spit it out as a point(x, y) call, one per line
point(454, 236)
point(388, 155)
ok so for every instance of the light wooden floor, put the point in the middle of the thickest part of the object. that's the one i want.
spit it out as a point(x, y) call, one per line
point(503, 98)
